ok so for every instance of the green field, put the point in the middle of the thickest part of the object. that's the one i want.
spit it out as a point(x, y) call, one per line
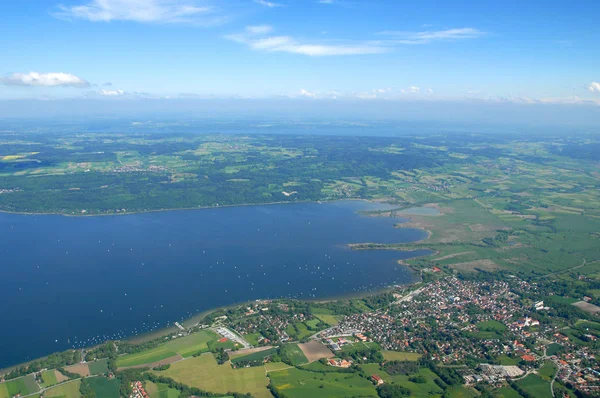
point(185, 346)
point(462, 392)
point(255, 356)
point(104, 387)
point(189, 345)
point(329, 319)
point(312, 324)
point(252, 338)
point(98, 367)
point(22, 385)
point(553, 348)
point(547, 371)
point(417, 389)
point(507, 392)
point(296, 383)
point(506, 360)
point(65, 390)
point(145, 357)
point(295, 354)
point(160, 390)
point(298, 331)
point(49, 377)
point(275, 366)
point(536, 386)
point(492, 326)
point(204, 372)
point(400, 356)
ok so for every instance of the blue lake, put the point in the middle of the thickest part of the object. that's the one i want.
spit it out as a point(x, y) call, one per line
point(77, 281)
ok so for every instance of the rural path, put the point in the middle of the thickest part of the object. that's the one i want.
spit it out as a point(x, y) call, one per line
point(566, 270)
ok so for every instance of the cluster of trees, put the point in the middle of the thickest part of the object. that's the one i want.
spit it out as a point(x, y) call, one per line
point(162, 367)
point(106, 350)
point(57, 360)
point(373, 355)
point(449, 376)
point(86, 390)
point(70, 375)
point(221, 356)
point(401, 367)
point(392, 391)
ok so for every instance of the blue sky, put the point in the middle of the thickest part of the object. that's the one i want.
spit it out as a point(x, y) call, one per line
point(499, 51)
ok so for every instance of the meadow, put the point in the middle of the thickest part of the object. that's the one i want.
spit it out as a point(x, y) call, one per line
point(159, 390)
point(300, 383)
point(183, 346)
point(417, 389)
point(204, 372)
point(536, 386)
point(254, 356)
point(400, 355)
point(65, 390)
point(104, 387)
point(23, 386)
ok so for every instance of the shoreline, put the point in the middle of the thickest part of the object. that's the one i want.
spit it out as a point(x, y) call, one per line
point(130, 213)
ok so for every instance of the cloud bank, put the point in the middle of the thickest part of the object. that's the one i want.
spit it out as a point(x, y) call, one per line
point(256, 38)
point(157, 11)
point(55, 79)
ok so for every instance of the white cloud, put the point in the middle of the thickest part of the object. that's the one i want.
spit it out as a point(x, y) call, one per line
point(111, 93)
point(165, 11)
point(307, 94)
point(44, 80)
point(266, 3)
point(425, 37)
point(259, 29)
point(412, 90)
point(594, 87)
point(291, 45)
point(429, 91)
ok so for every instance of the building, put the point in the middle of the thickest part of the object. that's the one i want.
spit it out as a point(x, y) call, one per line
point(378, 380)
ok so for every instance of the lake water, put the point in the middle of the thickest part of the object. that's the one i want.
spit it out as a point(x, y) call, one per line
point(77, 281)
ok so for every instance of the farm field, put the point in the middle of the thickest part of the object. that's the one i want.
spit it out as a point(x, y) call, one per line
point(252, 338)
point(82, 369)
point(104, 387)
point(295, 354)
point(65, 390)
point(329, 319)
point(144, 357)
point(506, 360)
point(295, 383)
point(314, 350)
point(254, 356)
point(159, 390)
point(508, 392)
point(536, 386)
point(184, 346)
point(49, 377)
point(400, 355)
point(462, 392)
point(98, 367)
point(204, 372)
point(22, 385)
point(418, 389)
point(275, 366)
